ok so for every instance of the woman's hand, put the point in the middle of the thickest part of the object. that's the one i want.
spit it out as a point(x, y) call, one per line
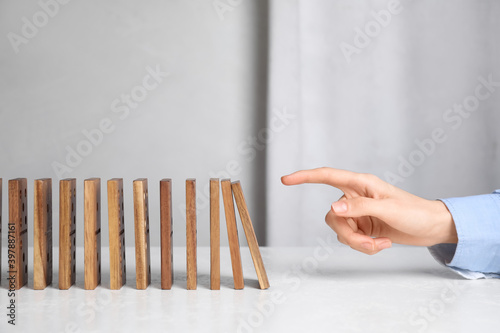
point(371, 207)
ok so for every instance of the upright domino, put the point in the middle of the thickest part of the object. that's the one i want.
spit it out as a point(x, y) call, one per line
point(42, 241)
point(116, 224)
point(250, 235)
point(42, 270)
point(166, 231)
point(214, 234)
point(67, 233)
point(232, 233)
point(92, 242)
point(191, 234)
point(18, 229)
point(142, 250)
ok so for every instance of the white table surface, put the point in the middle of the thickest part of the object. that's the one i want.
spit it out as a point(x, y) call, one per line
point(317, 289)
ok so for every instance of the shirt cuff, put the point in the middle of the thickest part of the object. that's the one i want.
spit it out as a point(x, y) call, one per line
point(477, 220)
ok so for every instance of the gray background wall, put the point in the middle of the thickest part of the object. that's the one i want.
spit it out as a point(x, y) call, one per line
point(213, 107)
point(200, 117)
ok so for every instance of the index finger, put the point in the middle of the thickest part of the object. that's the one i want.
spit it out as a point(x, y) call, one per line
point(330, 176)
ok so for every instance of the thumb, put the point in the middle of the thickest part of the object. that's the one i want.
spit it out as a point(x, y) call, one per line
point(361, 206)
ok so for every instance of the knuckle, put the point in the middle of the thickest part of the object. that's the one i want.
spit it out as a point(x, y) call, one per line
point(330, 224)
point(327, 216)
point(370, 252)
point(353, 205)
point(324, 172)
point(329, 220)
point(341, 239)
point(358, 203)
point(356, 180)
point(369, 178)
point(376, 179)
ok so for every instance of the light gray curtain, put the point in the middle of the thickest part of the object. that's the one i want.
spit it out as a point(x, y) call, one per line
point(377, 86)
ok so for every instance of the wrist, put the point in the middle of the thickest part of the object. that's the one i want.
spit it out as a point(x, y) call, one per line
point(447, 232)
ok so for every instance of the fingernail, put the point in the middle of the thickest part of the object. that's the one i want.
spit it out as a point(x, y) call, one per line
point(385, 245)
point(367, 246)
point(339, 207)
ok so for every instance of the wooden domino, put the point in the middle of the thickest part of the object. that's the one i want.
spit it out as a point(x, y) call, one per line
point(250, 235)
point(42, 240)
point(67, 233)
point(92, 231)
point(191, 264)
point(232, 233)
point(42, 253)
point(142, 248)
point(166, 232)
point(18, 227)
point(116, 225)
point(214, 234)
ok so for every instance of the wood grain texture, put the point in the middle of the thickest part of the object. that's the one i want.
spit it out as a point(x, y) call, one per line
point(92, 232)
point(166, 231)
point(214, 234)
point(191, 264)
point(232, 233)
point(42, 240)
point(116, 225)
point(142, 246)
point(18, 229)
point(250, 235)
point(67, 233)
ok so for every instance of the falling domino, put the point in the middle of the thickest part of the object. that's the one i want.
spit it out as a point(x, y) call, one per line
point(232, 233)
point(42, 240)
point(92, 242)
point(142, 250)
point(116, 224)
point(214, 234)
point(167, 273)
point(250, 235)
point(18, 222)
point(67, 233)
point(191, 234)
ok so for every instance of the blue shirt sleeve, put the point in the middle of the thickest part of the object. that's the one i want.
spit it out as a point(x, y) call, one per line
point(477, 254)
